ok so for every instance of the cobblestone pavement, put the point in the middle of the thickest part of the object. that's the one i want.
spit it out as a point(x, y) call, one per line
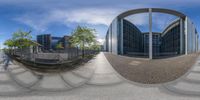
point(96, 80)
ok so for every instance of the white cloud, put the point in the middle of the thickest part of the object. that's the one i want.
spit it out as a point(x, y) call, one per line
point(36, 21)
point(92, 16)
point(139, 19)
point(101, 40)
point(37, 26)
point(160, 21)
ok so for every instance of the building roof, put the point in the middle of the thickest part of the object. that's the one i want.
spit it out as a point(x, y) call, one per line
point(146, 10)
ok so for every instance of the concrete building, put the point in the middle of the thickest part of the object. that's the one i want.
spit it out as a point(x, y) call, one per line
point(179, 37)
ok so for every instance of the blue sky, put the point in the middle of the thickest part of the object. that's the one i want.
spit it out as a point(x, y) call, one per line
point(60, 17)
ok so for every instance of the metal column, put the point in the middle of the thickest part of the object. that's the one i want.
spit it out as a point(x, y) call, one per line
point(186, 36)
point(150, 35)
point(121, 33)
point(181, 36)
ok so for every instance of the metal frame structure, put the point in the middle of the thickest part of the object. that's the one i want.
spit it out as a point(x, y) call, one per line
point(188, 32)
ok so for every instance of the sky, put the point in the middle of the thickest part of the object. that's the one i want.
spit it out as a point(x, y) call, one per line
point(61, 17)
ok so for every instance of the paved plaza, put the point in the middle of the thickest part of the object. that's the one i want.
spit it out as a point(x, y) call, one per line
point(95, 80)
point(154, 71)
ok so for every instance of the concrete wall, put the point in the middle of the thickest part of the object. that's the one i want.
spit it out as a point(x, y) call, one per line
point(191, 37)
point(113, 37)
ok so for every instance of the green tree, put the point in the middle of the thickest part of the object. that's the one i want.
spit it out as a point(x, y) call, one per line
point(10, 44)
point(59, 46)
point(95, 46)
point(82, 37)
point(22, 39)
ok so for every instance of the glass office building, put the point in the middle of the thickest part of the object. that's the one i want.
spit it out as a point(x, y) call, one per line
point(54, 41)
point(49, 42)
point(45, 41)
point(171, 39)
point(156, 43)
point(65, 42)
point(132, 37)
point(179, 37)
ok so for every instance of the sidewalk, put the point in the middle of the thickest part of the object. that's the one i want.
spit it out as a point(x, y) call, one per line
point(101, 82)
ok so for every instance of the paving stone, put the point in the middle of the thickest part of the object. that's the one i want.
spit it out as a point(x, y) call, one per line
point(73, 80)
point(105, 79)
point(8, 88)
point(194, 76)
point(85, 72)
point(51, 82)
point(26, 77)
point(196, 69)
point(2, 70)
point(18, 70)
point(102, 65)
point(188, 87)
point(14, 67)
point(4, 77)
point(125, 91)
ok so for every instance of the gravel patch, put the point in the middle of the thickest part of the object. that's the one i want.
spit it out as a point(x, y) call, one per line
point(151, 71)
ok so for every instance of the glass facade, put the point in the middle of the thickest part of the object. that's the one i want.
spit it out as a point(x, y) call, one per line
point(180, 37)
point(48, 42)
point(171, 41)
point(45, 41)
point(132, 37)
point(136, 42)
point(156, 43)
point(107, 43)
point(65, 41)
point(54, 41)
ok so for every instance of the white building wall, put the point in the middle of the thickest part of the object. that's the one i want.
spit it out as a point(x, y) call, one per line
point(104, 45)
point(110, 39)
point(114, 36)
point(191, 37)
point(196, 42)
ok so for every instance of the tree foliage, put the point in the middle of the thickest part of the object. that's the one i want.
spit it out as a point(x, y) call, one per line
point(20, 39)
point(82, 37)
point(59, 46)
point(10, 43)
point(95, 46)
